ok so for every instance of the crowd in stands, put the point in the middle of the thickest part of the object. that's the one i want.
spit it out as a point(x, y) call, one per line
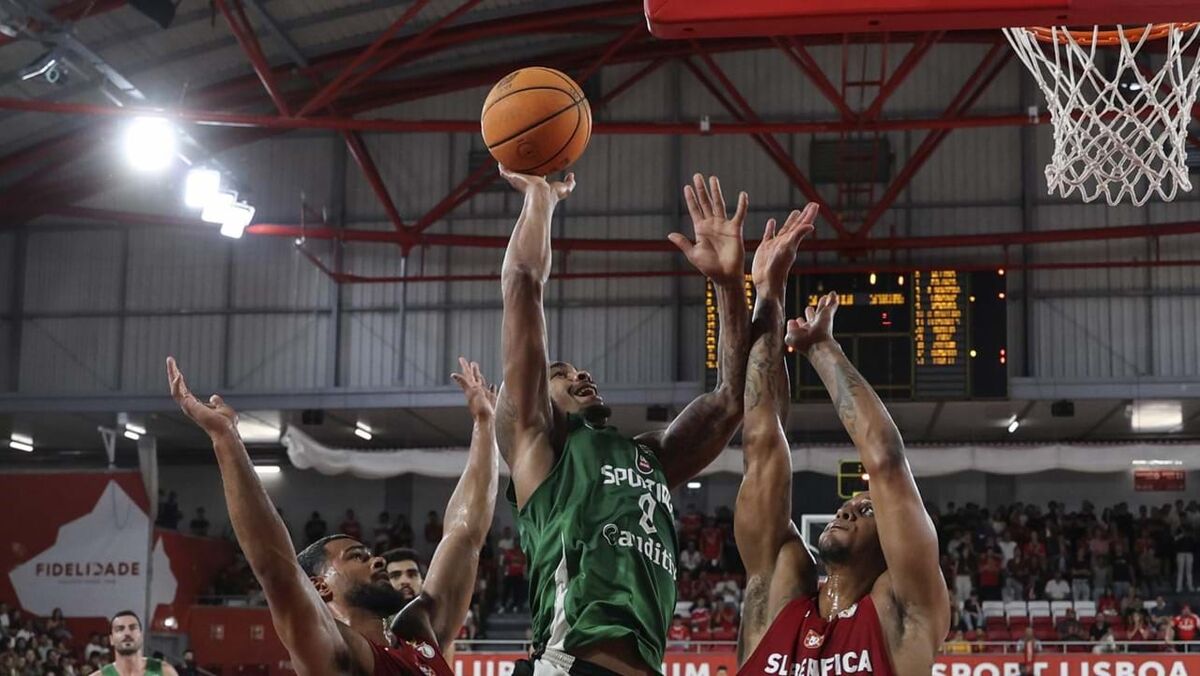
point(1023, 573)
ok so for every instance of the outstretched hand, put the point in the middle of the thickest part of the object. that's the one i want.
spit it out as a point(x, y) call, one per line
point(816, 326)
point(719, 251)
point(777, 251)
point(527, 184)
point(216, 417)
point(481, 397)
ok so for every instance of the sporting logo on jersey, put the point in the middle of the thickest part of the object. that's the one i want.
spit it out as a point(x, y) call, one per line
point(424, 649)
point(643, 463)
point(841, 664)
point(813, 640)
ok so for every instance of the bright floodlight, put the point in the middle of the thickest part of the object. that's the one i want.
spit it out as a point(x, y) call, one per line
point(150, 143)
point(235, 218)
point(1156, 416)
point(266, 470)
point(214, 208)
point(201, 186)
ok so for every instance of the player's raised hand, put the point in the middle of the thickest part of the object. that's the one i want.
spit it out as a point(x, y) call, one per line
point(215, 417)
point(481, 397)
point(719, 251)
point(777, 251)
point(816, 326)
point(527, 183)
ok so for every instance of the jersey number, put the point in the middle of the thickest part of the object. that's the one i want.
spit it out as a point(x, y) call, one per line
point(648, 503)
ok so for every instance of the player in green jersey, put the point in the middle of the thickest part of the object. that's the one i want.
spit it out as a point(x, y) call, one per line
point(126, 639)
point(594, 506)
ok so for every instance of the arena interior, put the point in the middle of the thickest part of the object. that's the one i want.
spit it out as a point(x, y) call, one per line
point(293, 199)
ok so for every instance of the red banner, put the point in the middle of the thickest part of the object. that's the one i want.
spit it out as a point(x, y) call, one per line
point(1159, 479)
point(1070, 665)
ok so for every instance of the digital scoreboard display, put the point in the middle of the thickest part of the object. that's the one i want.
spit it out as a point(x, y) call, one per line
point(922, 334)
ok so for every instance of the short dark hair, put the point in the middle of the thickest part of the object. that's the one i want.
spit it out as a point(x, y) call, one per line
point(124, 613)
point(404, 554)
point(312, 558)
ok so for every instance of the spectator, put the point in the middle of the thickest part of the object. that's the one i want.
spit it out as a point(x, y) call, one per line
point(1081, 573)
point(990, 568)
point(1058, 589)
point(691, 523)
point(957, 645)
point(1106, 642)
point(1160, 612)
point(350, 526)
point(315, 528)
point(514, 579)
point(1185, 546)
point(1123, 577)
point(381, 536)
point(94, 646)
point(1069, 628)
point(1138, 632)
point(691, 558)
point(1185, 624)
point(189, 668)
point(1029, 647)
point(433, 530)
point(199, 525)
point(1107, 603)
point(972, 614)
point(679, 632)
point(711, 543)
point(169, 514)
point(1008, 547)
point(402, 532)
point(506, 541)
point(725, 623)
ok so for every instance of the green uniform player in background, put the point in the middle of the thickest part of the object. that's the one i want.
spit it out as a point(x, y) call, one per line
point(125, 636)
point(593, 506)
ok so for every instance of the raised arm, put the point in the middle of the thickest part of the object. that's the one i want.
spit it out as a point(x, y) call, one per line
point(525, 416)
point(446, 596)
point(778, 565)
point(307, 628)
point(906, 533)
point(702, 430)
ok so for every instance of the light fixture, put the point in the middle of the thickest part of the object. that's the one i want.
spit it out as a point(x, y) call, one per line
point(362, 430)
point(973, 354)
point(170, 623)
point(900, 280)
point(1012, 426)
point(21, 442)
point(48, 66)
point(866, 477)
point(267, 470)
point(130, 434)
point(200, 186)
point(1000, 272)
point(1156, 416)
point(871, 279)
point(236, 217)
point(135, 428)
point(150, 143)
point(214, 208)
point(693, 485)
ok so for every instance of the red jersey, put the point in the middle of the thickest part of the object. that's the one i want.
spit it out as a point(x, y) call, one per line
point(801, 643)
point(710, 543)
point(1185, 627)
point(409, 659)
point(678, 632)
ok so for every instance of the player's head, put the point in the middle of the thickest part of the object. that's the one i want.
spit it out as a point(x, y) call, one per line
point(404, 572)
point(346, 573)
point(125, 633)
point(852, 536)
point(573, 391)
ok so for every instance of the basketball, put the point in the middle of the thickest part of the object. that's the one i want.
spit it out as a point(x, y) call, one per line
point(536, 121)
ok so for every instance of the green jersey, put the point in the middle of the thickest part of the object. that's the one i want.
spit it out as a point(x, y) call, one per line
point(599, 534)
point(153, 668)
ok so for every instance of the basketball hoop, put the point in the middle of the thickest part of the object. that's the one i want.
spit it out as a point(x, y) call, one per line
point(1118, 132)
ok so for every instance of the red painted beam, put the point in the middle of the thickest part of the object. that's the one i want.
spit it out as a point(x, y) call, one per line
point(992, 64)
point(244, 34)
point(330, 91)
point(808, 65)
point(364, 161)
point(914, 56)
point(1000, 239)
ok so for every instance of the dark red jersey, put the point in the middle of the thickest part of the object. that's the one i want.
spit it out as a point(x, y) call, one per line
point(801, 643)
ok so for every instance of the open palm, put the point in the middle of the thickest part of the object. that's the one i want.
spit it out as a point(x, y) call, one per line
point(719, 251)
point(816, 326)
point(777, 252)
point(216, 417)
point(481, 397)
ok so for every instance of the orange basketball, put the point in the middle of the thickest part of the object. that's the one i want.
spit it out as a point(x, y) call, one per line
point(536, 121)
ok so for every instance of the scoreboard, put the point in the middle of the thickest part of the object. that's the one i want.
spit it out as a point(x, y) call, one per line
point(921, 334)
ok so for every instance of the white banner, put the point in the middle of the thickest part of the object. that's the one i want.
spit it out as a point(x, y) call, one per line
point(927, 461)
point(97, 564)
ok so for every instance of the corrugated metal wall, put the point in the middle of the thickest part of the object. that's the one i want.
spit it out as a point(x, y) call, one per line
point(103, 306)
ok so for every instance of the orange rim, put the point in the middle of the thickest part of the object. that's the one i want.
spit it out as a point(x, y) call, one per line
point(1109, 38)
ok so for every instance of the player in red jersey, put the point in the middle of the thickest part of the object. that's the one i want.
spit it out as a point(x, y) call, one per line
point(884, 609)
point(329, 602)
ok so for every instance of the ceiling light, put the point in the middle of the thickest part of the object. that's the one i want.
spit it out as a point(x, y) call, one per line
point(214, 208)
point(267, 470)
point(21, 442)
point(871, 279)
point(201, 186)
point(1156, 416)
point(693, 485)
point(1012, 426)
point(130, 434)
point(135, 428)
point(235, 218)
point(362, 434)
point(150, 143)
point(363, 426)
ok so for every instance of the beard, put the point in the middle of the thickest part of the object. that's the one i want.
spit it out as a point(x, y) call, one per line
point(379, 599)
point(832, 551)
point(122, 649)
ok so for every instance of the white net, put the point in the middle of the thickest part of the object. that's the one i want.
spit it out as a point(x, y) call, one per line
point(1120, 125)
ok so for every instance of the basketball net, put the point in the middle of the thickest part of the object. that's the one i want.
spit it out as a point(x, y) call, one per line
point(1118, 131)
